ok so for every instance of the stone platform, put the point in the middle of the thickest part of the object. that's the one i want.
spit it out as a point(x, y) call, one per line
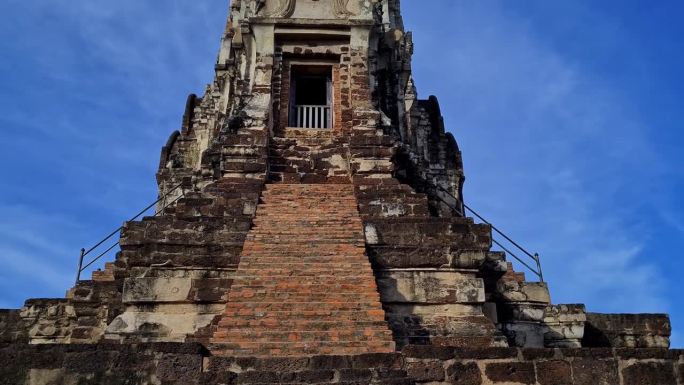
point(193, 364)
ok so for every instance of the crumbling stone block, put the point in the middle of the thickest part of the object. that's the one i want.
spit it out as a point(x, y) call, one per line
point(464, 374)
point(511, 372)
point(649, 373)
point(595, 372)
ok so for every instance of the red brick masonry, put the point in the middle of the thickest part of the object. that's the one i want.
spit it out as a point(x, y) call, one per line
point(304, 285)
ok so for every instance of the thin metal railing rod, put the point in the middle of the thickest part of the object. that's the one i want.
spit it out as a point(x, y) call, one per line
point(500, 232)
point(534, 257)
point(80, 266)
point(539, 267)
point(117, 243)
point(509, 252)
point(84, 253)
point(169, 204)
point(103, 241)
point(132, 219)
point(100, 256)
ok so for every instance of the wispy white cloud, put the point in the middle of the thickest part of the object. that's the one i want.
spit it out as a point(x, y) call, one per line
point(549, 152)
point(93, 94)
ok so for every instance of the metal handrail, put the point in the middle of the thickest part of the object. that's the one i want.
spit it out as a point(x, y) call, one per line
point(85, 252)
point(535, 257)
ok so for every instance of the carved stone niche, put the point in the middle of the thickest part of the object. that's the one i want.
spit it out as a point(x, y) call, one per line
point(316, 9)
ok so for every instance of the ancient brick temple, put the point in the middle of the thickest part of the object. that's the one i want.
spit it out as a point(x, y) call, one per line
point(313, 231)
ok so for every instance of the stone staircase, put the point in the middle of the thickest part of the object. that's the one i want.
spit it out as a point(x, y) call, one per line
point(426, 268)
point(304, 285)
point(308, 156)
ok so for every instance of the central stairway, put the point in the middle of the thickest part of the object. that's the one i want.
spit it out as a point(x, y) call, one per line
point(304, 285)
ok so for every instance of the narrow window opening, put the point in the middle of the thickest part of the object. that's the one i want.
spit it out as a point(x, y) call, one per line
point(311, 97)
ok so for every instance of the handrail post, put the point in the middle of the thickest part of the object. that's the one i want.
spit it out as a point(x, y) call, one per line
point(80, 266)
point(539, 268)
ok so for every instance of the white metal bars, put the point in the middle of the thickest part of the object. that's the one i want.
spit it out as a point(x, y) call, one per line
point(313, 116)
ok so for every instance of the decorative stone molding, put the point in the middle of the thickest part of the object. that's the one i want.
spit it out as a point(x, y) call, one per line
point(285, 9)
point(341, 10)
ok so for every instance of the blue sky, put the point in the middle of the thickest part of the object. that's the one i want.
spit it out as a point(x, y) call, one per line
point(568, 113)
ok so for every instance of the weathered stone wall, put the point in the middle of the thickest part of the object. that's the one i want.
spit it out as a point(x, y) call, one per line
point(192, 364)
point(428, 156)
point(108, 364)
point(627, 330)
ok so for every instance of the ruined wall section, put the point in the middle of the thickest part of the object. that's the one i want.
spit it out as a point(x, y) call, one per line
point(428, 157)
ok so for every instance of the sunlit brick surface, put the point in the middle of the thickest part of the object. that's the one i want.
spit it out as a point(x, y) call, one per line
point(304, 285)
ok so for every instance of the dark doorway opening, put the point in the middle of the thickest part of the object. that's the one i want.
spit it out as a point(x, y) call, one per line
point(311, 97)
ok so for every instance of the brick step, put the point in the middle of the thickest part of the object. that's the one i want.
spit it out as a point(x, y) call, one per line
point(293, 298)
point(254, 278)
point(289, 282)
point(313, 377)
point(304, 276)
point(295, 262)
point(313, 195)
point(307, 315)
point(291, 245)
point(348, 314)
point(326, 206)
point(284, 188)
point(321, 227)
point(303, 264)
point(341, 194)
point(285, 336)
point(301, 283)
point(328, 203)
point(298, 224)
point(347, 317)
point(286, 227)
point(332, 219)
point(278, 348)
point(285, 282)
point(289, 249)
point(340, 246)
point(293, 242)
point(302, 324)
point(273, 254)
point(260, 232)
point(303, 224)
point(305, 228)
point(314, 256)
point(298, 261)
point(322, 306)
